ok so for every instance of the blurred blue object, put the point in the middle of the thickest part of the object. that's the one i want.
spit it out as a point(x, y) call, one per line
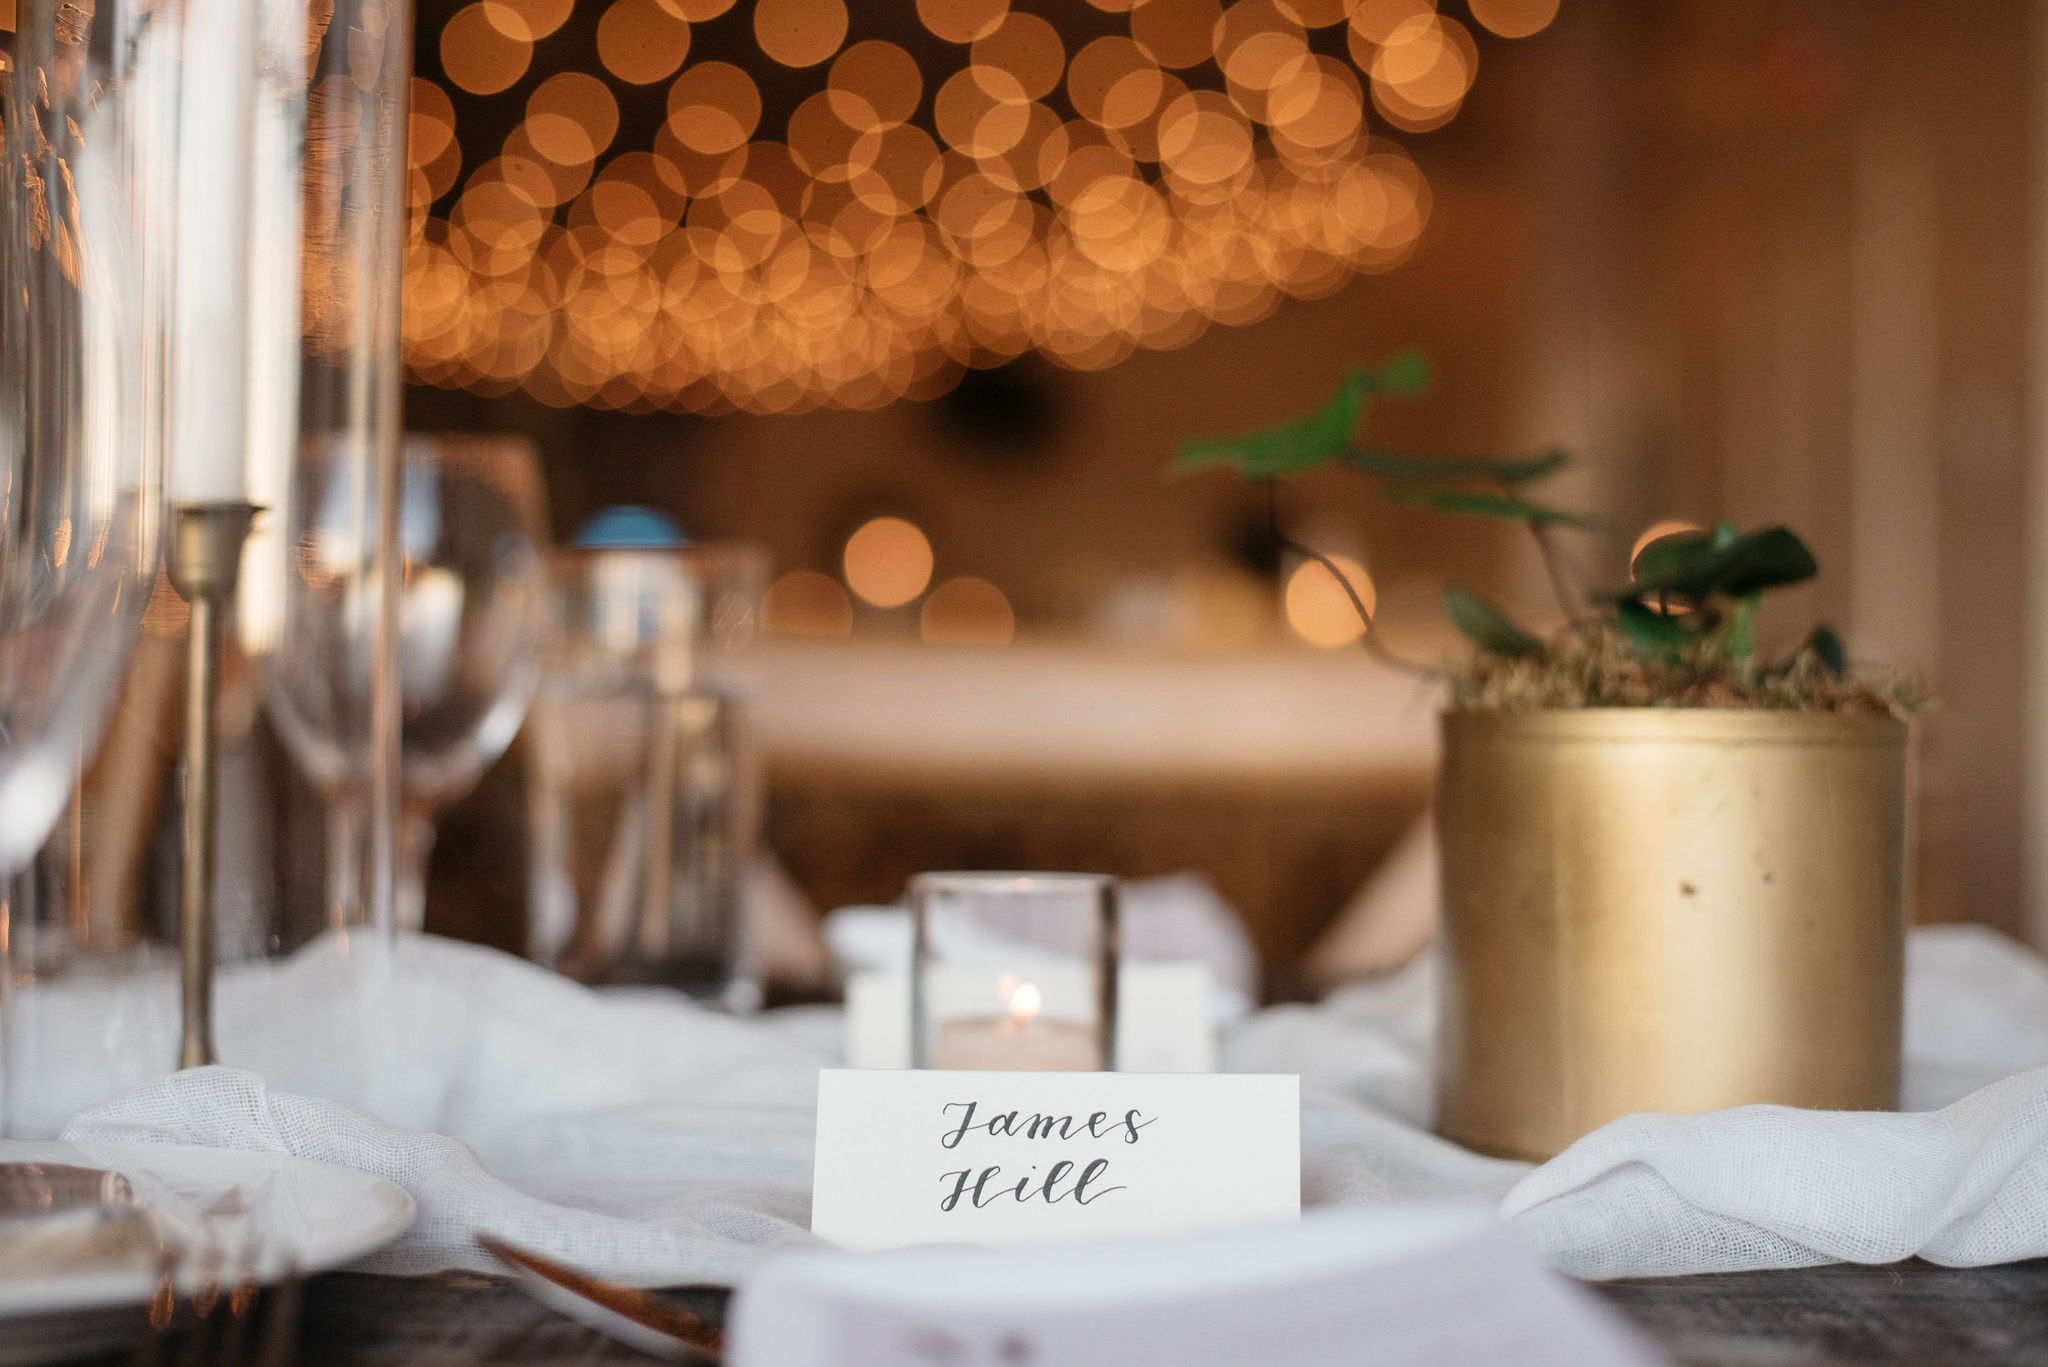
point(630, 528)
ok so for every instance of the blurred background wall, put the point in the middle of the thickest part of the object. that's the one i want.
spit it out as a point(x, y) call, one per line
point(1766, 260)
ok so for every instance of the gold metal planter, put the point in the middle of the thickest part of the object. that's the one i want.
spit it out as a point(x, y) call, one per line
point(1666, 910)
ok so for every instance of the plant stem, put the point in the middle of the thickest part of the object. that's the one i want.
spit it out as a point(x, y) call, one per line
point(1739, 641)
point(1578, 609)
point(1370, 637)
point(1571, 599)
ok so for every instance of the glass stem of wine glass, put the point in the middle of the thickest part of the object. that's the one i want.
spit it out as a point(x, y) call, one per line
point(415, 845)
point(344, 860)
point(16, 964)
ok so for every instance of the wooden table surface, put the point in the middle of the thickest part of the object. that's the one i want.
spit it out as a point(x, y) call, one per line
point(1910, 1312)
point(1907, 1313)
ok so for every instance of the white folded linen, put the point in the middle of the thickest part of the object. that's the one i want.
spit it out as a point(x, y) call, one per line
point(652, 1141)
point(1770, 1186)
point(1754, 1187)
point(654, 1232)
point(629, 1132)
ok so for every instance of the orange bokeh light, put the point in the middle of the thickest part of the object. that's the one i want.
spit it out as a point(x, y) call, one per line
point(528, 21)
point(875, 85)
point(806, 603)
point(1515, 18)
point(887, 562)
point(967, 612)
point(1026, 49)
point(962, 21)
point(714, 107)
point(642, 41)
point(800, 33)
point(868, 230)
point(1177, 33)
point(480, 57)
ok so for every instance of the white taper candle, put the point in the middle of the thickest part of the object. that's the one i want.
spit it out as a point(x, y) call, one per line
point(209, 355)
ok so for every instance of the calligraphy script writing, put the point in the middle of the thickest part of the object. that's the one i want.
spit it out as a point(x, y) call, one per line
point(1064, 1179)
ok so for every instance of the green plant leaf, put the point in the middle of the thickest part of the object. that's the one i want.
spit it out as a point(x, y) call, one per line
point(1698, 565)
point(1395, 465)
point(1313, 439)
point(1654, 634)
point(1767, 558)
point(1291, 448)
point(1486, 625)
point(1405, 372)
point(1683, 558)
point(1494, 505)
point(1828, 646)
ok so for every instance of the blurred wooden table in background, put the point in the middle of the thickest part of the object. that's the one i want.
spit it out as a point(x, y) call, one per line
point(1284, 774)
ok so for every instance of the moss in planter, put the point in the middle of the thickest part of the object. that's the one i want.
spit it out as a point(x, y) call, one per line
point(1597, 666)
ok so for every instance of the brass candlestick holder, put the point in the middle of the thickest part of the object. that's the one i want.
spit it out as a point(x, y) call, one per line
point(205, 557)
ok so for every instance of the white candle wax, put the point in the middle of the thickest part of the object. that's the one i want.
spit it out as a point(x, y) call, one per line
point(1005, 1045)
point(1021, 1041)
point(276, 271)
point(209, 332)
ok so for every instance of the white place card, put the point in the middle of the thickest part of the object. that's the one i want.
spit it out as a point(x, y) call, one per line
point(1030, 1157)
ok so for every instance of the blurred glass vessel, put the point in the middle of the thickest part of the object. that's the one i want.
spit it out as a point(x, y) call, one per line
point(96, 107)
point(330, 223)
point(86, 214)
point(471, 527)
point(645, 792)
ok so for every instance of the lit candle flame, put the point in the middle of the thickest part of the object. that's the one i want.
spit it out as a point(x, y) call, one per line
point(1025, 1003)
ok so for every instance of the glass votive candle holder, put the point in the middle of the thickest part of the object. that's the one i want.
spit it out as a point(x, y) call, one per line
point(1014, 971)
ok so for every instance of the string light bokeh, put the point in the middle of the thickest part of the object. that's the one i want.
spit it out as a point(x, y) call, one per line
point(1077, 183)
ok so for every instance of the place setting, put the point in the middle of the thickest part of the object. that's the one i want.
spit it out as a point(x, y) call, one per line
point(979, 683)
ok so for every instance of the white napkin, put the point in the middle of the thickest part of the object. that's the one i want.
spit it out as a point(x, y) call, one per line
point(1769, 1186)
point(1759, 1186)
point(676, 1231)
point(632, 1133)
point(655, 1142)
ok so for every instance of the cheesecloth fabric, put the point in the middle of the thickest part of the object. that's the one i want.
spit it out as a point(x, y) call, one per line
point(647, 1140)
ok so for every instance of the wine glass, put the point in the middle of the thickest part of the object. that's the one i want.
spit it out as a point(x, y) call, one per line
point(471, 528)
point(84, 229)
point(86, 212)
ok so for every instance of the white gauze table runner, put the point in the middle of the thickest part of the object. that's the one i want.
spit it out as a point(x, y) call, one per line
point(650, 1141)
